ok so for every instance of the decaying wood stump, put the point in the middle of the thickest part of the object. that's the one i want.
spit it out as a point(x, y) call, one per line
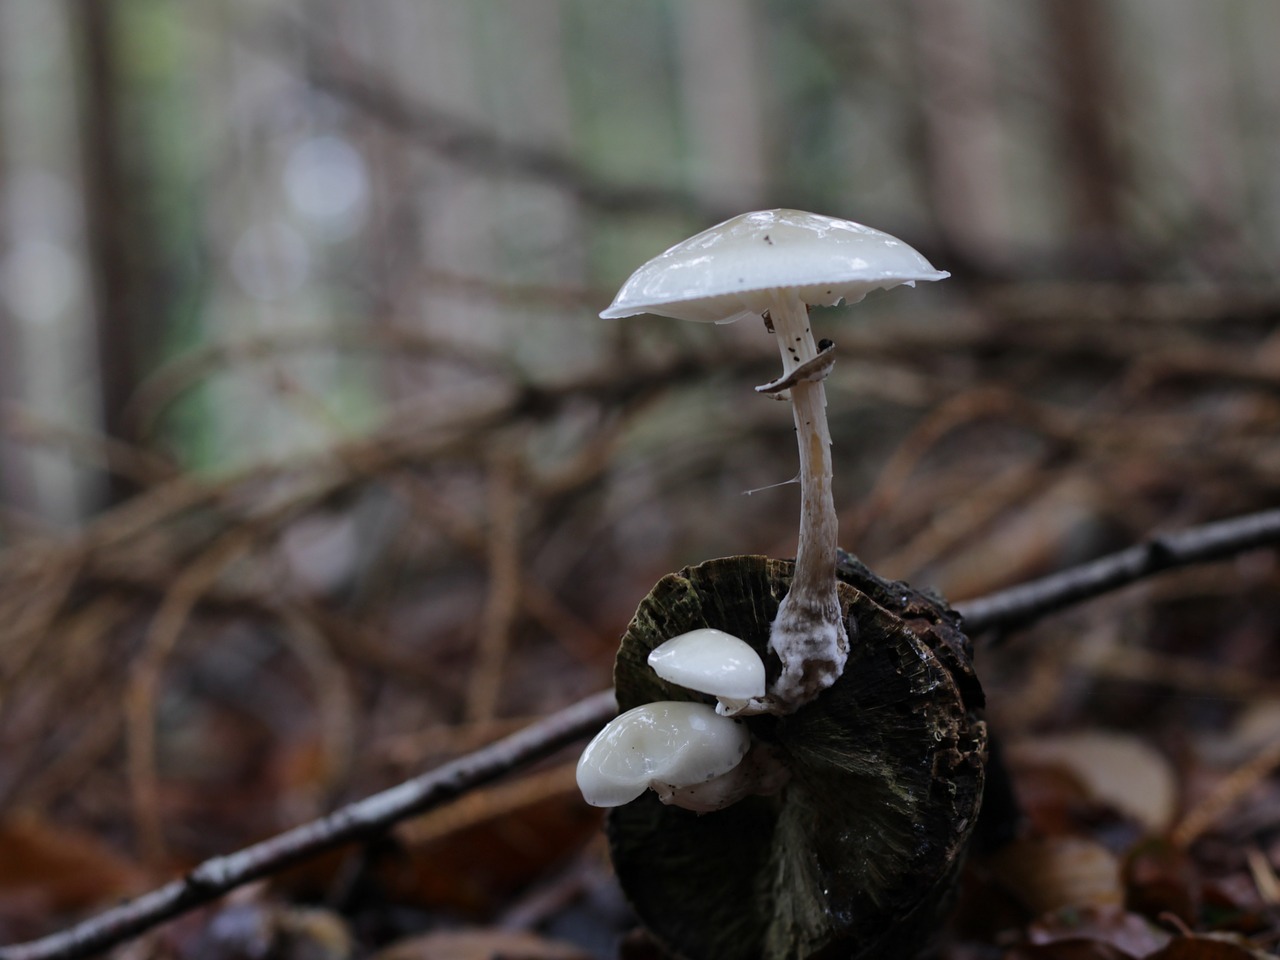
point(858, 855)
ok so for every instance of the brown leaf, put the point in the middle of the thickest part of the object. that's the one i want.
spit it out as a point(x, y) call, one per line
point(1052, 800)
point(52, 867)
point(480, 945)
point(1160, 878)
point(1212, 947)
point(1120, 771)
point(1056, 872)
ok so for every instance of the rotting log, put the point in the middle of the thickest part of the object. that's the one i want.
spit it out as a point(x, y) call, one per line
point(859, 854)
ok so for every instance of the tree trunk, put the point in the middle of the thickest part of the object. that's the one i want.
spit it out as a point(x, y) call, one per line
point(115, 234)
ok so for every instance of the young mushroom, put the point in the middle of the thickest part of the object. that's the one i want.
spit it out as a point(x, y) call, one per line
point(775, 264)
point(666, 746)
point(712, 661)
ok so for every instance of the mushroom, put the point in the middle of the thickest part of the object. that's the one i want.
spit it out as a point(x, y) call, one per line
point(774, 263)
point(712, 661)
point(666, 745)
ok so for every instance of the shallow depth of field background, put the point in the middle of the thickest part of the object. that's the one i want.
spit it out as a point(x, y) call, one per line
point(317, 466)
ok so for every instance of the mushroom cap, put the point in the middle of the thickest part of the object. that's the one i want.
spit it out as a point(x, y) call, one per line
point(734, 269)
point(710, 661)
point(668, 742)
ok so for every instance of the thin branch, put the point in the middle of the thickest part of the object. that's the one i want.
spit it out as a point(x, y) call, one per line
point(456, 139)
point(482, 150)
point(357, 821)
point(1020, 605)
point(1003, 611)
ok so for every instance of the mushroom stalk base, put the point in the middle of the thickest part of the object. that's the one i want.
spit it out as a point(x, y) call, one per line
point(808, 634)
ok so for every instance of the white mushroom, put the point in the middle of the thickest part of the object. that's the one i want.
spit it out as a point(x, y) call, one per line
point(712, 661)
point(773, 263)
point(665, 745)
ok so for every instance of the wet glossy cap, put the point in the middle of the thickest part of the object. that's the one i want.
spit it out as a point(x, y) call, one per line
point(734, 269)
point(710, 661)
point(669, 742)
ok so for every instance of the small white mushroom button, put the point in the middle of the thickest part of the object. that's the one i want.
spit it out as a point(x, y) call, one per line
point(668, 743)
point(710, 661)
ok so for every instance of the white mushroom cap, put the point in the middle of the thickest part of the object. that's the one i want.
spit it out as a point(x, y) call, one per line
point(725, 273)
point(669, 742)
point(710, 661)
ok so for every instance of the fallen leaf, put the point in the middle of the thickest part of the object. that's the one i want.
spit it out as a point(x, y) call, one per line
point(1210, 947)
point(480, 945)
point(1160, 878)
point(1256, 727)
point(1118, 770)
point(53, 867)
point(1052, 800)
point(1055, 872)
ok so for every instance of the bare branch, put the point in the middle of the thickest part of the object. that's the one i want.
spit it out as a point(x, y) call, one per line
point(357, 821)
point(1022, 604)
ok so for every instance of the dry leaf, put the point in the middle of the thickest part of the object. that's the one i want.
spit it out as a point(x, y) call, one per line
point(1210, 947)
point(1057, 872)
point(480, 945)
point(1161, 878)
point(1256, 728)
point(57, 868)
point(1051, 799)
point(1119, 770)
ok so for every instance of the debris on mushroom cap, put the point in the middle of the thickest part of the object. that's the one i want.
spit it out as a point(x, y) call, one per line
point(710, 661)
point(668, 742)
point(720, 274)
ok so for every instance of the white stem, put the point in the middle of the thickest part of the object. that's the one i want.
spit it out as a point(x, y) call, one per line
point(808, 634)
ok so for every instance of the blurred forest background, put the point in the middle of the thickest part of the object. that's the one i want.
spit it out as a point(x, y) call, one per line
point(317, 466)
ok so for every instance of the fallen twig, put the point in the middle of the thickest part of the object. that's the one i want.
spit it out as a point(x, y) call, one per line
point(359, 820)
point(1026, 602)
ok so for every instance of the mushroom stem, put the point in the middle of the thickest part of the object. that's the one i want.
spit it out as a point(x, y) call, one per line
point(808, 634)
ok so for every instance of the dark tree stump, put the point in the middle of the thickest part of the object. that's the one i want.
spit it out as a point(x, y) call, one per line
point(859, 853)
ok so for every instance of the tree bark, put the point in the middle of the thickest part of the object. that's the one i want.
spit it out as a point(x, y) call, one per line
point(116, 235)
point(1087, 94)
